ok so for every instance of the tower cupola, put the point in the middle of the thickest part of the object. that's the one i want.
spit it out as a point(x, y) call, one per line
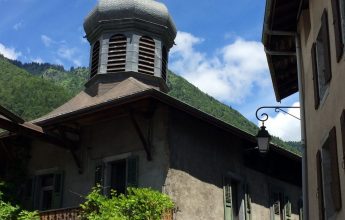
point(129, 38)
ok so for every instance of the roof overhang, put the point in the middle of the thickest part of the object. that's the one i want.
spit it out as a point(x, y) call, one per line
point(153, 94)
point(278, 37)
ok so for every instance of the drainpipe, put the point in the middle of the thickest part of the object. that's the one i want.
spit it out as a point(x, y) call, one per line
point(303, 130)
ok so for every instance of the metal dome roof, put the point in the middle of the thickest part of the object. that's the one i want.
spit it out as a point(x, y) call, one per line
point(149, 11)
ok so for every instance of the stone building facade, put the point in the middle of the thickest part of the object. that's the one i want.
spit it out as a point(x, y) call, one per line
point(124, 130)
point(306, 55)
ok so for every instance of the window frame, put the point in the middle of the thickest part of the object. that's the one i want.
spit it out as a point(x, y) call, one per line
point(106, 171)
point(321, 62)
point(34, 200)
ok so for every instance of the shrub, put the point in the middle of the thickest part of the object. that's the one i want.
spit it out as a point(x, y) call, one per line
point(11, 212)
point(137, 204)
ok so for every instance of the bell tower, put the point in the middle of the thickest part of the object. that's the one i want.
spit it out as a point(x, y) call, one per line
point(129, 38)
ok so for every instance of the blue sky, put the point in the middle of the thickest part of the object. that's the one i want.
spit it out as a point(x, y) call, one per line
point(218, 47)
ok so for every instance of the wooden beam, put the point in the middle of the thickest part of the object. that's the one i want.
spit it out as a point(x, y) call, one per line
point(72, 148)
point(13, 117)
point(145, 143)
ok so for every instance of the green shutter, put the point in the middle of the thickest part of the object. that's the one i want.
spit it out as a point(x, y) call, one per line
point(248, 203)
point(227, 202)
point(132, 171)
point(339, 44)
point(58, 190)
point(320, 185)
point(99, 175)
point(287, 208)
point(315, 77)
point(29, 193)
point(300, 209)
point(335, 184)
point(327, 53)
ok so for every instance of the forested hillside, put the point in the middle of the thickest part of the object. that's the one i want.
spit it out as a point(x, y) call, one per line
point(27, 95)
point(32, 90)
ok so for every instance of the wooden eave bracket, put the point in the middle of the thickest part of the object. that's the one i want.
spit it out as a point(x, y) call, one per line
point(146, 142)
point(72, 146)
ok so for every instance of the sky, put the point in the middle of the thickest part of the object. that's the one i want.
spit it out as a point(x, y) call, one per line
point(218, 48)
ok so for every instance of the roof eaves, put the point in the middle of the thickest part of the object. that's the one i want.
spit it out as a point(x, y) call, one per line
point(164, 98)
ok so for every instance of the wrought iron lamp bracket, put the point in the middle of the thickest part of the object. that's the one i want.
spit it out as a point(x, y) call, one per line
point(264, 116)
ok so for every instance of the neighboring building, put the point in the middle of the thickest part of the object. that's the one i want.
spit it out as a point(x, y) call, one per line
point(304, 42)
point(124, 130)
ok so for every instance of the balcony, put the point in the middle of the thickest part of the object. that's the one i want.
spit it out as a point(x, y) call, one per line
point(72, 214)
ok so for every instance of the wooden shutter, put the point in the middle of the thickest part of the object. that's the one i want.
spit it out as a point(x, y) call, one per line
point(342, 124)
point(300, 209)
point(276, 203)
point(132, 171)
point(248, 203)
point(29, 193)
point(58, 190)
point(320, 185)
point(335, 184)
point(325, 40)
point(99, 175)
point(339, 44)
point(315, 76)
point(287, 208)
point(228, 212)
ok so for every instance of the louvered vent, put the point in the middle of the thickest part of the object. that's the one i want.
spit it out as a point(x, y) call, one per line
point(146, 62)
point(117, 54)
point(95, 58)
point(164, 63)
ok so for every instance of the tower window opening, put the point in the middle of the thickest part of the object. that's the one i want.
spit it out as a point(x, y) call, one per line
point(164, 63)
point(95, 58)
point(146, 61)
point(117, 54)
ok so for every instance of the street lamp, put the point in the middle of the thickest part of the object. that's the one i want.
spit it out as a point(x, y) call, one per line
point(263, 137)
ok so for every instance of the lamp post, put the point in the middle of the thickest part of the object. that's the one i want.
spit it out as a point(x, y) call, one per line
point(263, 137)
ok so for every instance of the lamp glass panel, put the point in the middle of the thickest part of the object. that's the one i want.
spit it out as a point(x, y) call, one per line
point(263, 144)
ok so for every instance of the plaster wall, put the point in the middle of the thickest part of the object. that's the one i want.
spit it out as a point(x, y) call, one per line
point(104, 141)
point(200, 156)
point(320, 122)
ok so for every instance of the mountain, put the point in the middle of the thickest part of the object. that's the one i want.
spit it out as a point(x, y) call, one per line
point(65, 84)
point(27, 95)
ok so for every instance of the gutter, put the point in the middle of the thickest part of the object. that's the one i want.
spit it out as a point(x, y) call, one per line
point(303, 130)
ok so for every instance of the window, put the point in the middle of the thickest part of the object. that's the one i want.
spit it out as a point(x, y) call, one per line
point(44, 192)
point(95, 58)
point(329, 183)
point(300, 209)
point(321, 62)
point(117, 54)
point(338, 10)
point(231, 196)
point(164, 63)
point(146, 61)
point(247, 203)
point(117, 174)
point(280, 205)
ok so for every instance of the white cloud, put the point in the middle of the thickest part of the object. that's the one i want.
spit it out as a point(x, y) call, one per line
point(9, 53)
point(285, 126)
point(69, 54)
point(37, 60)
point(47, 41)
point(230, 75)
point(18, 25)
